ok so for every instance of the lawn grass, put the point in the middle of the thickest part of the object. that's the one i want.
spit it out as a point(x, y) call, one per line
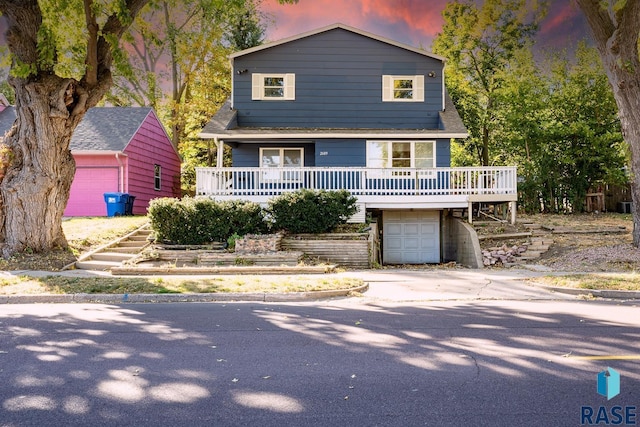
point(608, 281)
point(84, 233)
point(157, 285)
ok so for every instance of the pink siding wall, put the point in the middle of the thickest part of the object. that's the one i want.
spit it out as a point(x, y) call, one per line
point(148, 147)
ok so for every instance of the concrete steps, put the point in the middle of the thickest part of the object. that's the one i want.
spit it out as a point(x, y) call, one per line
point(116, 252)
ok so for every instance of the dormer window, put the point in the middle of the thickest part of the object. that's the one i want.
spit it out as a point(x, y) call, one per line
point(273, 86)
point(402, 88)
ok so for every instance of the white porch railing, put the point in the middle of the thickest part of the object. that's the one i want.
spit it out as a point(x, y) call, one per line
point(269, 181)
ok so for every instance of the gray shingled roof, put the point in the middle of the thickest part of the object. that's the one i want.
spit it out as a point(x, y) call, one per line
point(108, 128)
point(102, 129)
point(225, 124)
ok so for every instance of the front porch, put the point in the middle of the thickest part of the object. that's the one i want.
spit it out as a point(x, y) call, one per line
point(375, 188)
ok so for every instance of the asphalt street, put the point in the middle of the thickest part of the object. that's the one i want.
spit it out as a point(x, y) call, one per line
point(379, 360)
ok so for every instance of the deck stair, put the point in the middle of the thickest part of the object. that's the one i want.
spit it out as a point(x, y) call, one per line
point(115, 253)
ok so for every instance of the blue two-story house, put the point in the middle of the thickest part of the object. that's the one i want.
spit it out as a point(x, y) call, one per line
point(339, 108)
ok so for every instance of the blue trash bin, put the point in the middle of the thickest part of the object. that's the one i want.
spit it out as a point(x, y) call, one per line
point(116, 203)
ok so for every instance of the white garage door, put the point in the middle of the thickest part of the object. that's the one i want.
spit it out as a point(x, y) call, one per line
point(411, 237)
point(87, 191)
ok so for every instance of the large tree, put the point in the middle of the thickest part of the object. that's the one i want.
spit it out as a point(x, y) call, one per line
point(616, 28)
point(62, 52)
point(168, 46)
point(478, 42)
point(558, 122)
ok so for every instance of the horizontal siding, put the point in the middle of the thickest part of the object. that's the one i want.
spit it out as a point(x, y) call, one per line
point(248, 155)
point(341, 152)
point(151, 146)
point(338, 84)
point(329, 153)
point(96, 160)
point(443, 153)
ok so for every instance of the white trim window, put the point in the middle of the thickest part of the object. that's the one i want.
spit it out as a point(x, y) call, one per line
point(276, 87)
point(401, 154)
point(281, 158)
point(402, 88)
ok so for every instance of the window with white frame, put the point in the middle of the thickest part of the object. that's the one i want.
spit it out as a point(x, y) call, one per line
point(401, 154)
point(287, 158)
point(273, 86)
point(402, 88)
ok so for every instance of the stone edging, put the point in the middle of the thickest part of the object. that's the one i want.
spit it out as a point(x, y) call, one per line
point(190, 297)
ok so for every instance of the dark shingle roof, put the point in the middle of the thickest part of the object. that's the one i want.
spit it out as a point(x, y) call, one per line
point(108, 128)
point(225, 124)
point(102, 129)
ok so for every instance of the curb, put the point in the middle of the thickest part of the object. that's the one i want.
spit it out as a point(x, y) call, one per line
point(167, 298)
point(600, 293)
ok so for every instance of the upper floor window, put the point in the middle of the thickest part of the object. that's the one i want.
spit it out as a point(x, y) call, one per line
point(402, 88)
point(273, 86)
point(157, 177)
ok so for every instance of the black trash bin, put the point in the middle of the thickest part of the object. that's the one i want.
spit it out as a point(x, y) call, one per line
point(128, 206)
point(116, 203)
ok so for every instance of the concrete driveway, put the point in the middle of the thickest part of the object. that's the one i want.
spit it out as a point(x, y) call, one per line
point(453, 284)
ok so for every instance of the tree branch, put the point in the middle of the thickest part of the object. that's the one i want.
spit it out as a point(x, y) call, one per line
point(91, 60)
point(24, 19)
point(599, 19)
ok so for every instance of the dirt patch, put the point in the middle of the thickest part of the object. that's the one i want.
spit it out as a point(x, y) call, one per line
point(83, 234)
point(588, 242)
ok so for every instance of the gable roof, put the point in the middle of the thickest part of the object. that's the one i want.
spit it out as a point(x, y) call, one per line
point(108, 128)
point(333, 27)
point(101, 129)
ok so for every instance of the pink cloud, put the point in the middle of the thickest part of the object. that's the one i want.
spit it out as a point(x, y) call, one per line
point(559, 16)
point(408, 21)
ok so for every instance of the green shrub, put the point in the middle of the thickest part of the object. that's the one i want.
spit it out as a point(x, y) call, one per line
point(311, 211)
point(197, 221)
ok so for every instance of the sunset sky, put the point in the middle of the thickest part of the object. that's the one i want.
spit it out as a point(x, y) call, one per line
point(413, 22)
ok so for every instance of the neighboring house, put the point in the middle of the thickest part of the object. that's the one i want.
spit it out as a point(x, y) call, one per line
point(117, 149)
point(339, 108)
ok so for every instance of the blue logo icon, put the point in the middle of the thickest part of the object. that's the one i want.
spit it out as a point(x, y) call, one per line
point(609, 383)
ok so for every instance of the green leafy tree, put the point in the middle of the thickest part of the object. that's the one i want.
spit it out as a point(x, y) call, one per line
point(175, 59)
point(478, 42)
point(170, 48)
point(616, 29)
point(559, 123)
point(61, 59)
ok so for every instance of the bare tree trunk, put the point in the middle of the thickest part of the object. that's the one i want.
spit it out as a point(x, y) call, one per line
point(630, 122)
point(36, 166)
point(616, 31)
point(37, 177)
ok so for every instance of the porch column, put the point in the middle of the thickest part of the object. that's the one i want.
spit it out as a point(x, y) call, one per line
point(220, 148)
point(470, 213)
point(513, 206)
